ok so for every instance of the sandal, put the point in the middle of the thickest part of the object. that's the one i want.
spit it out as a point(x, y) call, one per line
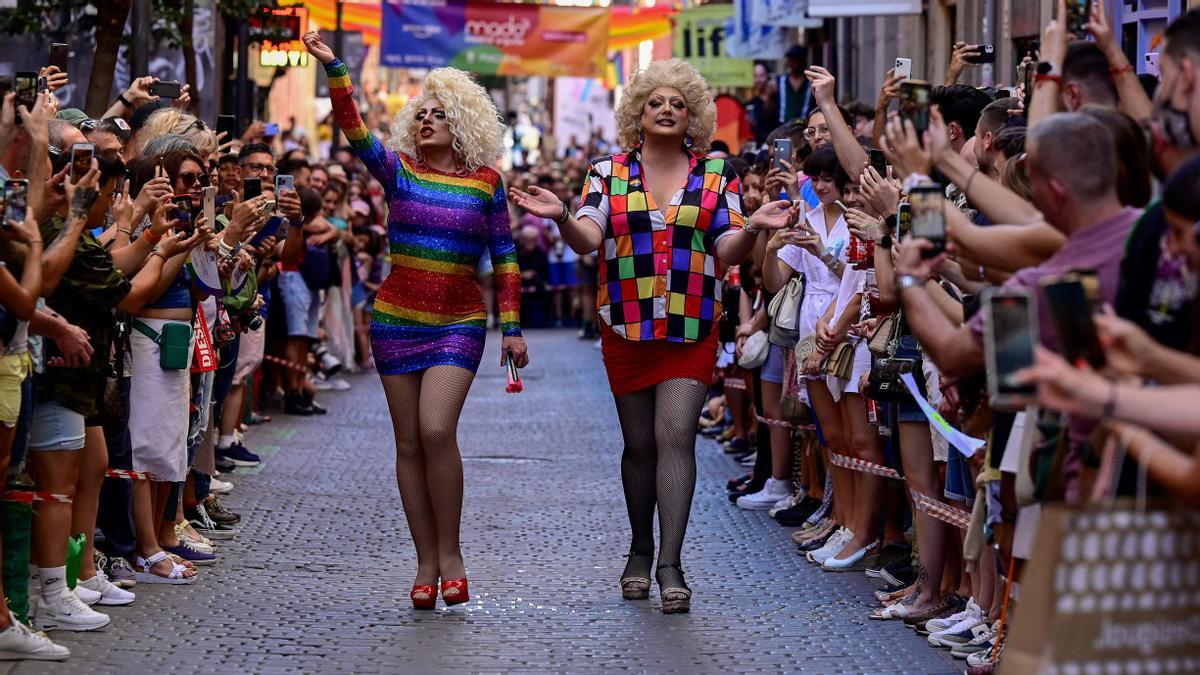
point(144, 571)
point(634, 587)
point(675, 599)
point(886, 599)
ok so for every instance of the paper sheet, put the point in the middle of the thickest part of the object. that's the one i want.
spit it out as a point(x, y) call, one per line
point(965, 444)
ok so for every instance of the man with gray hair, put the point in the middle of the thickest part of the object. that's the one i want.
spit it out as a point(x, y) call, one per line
point(1073, 175)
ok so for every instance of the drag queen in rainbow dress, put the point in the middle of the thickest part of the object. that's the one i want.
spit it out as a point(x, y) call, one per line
point(446, 209)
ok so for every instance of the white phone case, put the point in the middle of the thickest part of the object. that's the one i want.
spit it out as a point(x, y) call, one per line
point(904, 68)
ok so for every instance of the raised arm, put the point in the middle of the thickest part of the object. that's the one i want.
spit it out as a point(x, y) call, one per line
point(379, 161)
point(22, 296)
point(1133, 98)
point(849, 152)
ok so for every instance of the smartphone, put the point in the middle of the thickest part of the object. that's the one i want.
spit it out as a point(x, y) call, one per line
point(81, 160)
point(781, 152)
point(26, 85)
point(987, 54)
point(1077, 16)
point(228, 124)
point(208, 204)
point(904, 219)
point(60, 54)
point(43, 83)
point(1009, 337)
point(914, 104)
point(166, 89)
point(1152, 63)
point(16, 193)
point(271, 130)
point(251, 188)
point(1068, 303)
point(878, 161)
point(183, 213)
point(903, 68)
point(1025, 77)
point(928, 219)
point(272, 226)
point(284, 182)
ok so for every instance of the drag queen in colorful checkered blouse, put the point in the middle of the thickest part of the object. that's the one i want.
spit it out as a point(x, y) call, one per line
point(667, 220)
point(446, 209)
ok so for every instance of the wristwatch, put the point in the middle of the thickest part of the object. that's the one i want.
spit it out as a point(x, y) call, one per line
point(906, 281)
point(1045, 68)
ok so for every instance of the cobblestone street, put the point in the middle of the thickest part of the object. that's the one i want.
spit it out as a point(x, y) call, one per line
point(318, 577)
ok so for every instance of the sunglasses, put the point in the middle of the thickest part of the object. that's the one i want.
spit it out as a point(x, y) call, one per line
point(190, 177)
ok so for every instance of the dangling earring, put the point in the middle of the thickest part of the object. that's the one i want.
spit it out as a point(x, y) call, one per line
point(641, 137)
point(687, 141)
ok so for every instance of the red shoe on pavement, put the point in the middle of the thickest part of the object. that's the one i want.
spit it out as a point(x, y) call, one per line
point(423, 597)
point(454, 592)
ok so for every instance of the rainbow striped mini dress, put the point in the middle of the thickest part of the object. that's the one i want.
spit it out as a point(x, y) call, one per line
point(429, 311)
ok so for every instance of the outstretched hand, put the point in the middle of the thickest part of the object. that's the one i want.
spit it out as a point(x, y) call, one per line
point(538, 201)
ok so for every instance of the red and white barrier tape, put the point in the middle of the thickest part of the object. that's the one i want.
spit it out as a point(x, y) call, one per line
point(28, 497)
point(784, 423)
point(863, 466)
point(285, 363)
point(129, 475)
point(942, 511)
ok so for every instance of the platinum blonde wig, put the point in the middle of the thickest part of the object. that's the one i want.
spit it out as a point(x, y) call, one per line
point(472, 116)
point(676, 74)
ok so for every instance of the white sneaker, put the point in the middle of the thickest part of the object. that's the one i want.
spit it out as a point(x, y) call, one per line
point(110, 594)
point(67, 613)
point(86, 595)
point(201, 544)
point(19, 643)
point(765, 498)
point(340, 384)
point(835, 543)
point(787, 502)
point(220, 487)
point(939, 625)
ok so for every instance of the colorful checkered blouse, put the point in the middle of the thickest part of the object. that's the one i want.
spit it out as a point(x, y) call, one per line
point(660, 279)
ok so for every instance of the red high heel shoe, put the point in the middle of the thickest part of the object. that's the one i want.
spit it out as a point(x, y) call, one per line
point(454, 592)
point(423, 597)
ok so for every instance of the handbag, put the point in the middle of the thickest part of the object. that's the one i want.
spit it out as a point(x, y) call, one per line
point(755, 351)
point(174, 343)
point(883, 382)
point(883, 334)
point(840, 363)
point(784, 311)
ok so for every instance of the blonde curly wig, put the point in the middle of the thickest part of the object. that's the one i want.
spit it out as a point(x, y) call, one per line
point(472, 116)
point(676, 74)
point(175, 121)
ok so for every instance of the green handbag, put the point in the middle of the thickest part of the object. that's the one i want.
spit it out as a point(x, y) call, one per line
point(174, 343)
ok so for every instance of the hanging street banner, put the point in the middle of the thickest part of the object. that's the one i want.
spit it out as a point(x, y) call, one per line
point(746, 38)
point(492, 38)
point(700, 38)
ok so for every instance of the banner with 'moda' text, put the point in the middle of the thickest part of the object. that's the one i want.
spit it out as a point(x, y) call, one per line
point(493, 38)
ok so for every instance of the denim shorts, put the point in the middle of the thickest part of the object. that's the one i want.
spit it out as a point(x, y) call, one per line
point(909, 411)
point(772, 368)
point(301, 304)
point(959, 486)
point(56, 427)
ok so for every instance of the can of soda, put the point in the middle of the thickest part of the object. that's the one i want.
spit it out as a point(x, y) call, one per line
point(856, 254)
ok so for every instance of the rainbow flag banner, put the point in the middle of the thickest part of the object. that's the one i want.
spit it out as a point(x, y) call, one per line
point(493, 38)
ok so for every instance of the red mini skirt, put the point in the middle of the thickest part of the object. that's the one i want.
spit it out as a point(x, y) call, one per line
point(634, 365)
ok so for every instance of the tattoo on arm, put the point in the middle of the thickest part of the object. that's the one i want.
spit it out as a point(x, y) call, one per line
point(82, 202)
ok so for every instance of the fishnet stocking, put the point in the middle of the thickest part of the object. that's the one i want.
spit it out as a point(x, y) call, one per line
point(658, 468)
point(425, 408)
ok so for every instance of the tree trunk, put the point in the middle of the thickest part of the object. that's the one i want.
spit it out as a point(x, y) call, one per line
point(110, 25)
point(189, 52)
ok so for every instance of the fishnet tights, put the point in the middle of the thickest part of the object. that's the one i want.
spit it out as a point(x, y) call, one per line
point(658, 468)
point(425, 407)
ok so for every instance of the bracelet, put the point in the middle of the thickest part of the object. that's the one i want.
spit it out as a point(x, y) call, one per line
point(39, 242)
point(1047, 77)
point(906, 281)
point(967, 189)
point(1127, 68)
point(750, 230)
point(1110, 406)
point(160, 254)
point(126, 231)
point(564, 216)
point(124, 101)
point(151, 237)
